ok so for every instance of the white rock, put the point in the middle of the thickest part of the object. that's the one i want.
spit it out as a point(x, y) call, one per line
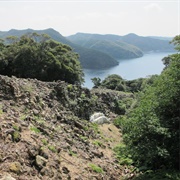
point(99, 118)
point(7, 177)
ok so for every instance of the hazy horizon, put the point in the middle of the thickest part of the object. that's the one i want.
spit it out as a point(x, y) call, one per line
point(144, 18)
point(88, 33)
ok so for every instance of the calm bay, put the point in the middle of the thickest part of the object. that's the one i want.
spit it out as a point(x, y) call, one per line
point(129, 69)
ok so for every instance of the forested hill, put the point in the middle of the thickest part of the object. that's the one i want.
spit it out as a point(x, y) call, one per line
point(147, 44)
point(89, 58)
point(107, 43)
point(131, 43)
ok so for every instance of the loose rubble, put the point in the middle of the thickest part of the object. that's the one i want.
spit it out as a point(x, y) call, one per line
point(45, 131)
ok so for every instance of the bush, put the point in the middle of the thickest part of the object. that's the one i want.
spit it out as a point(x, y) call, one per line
point(122, 155)
point(96, 168)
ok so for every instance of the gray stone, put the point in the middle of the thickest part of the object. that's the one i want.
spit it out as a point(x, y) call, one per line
point(7, 177)
point(40, 161)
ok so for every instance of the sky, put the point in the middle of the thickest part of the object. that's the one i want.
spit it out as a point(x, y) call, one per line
point(142, 17)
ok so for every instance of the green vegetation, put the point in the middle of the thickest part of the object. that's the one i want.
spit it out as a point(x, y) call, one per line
point(72, 153)
point(151, 130)
point(128, 46)
point(28, 88)
point(45, 142)
point(117, 50)
point(96, 168)
point(97, 143)
point(116, 82)
point(122, 155)
point(38, 56)
point(107, 44)
point(16, 136)
point(94, 126)
point(39, 120)
point(35, 129)
point(83, 137)
point(16, 127)
point(147, 44)
point(1, 111)
point(52, 148)
point(93, 59)
point(159, 175)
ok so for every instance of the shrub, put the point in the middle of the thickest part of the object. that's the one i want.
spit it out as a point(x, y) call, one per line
point(96, 168)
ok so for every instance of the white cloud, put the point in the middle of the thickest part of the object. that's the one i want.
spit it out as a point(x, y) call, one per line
point(94, 15)
point(116, 17)
point(153, 7)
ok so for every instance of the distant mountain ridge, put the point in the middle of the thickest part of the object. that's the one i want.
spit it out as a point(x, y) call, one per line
point(130, 43)
point(107, 43)
point(148, 44)
point(89, 58)
point(161, 38)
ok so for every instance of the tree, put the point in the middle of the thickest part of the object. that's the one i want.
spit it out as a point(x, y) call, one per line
point(176, 42)
point(114, 82)
point(96, 81)
point(152, 129)
point(38, 56)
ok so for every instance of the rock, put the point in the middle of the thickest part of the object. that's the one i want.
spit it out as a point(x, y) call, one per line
point(35, 112)
point(15, 167)
point(78, 125)
point(7, 177)
point(99, 118)
point(10, 131)
point(8, 138)
point(44, 153)
point(65, 170)
point(97, 154)
point(47, 171)
point(40, 161)
point(33, 151)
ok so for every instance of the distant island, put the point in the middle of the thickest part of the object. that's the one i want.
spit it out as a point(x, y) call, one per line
point(102, 51)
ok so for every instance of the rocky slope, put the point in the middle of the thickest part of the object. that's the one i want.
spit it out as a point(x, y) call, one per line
point(45, 132)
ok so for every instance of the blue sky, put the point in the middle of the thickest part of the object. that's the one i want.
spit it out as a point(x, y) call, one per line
point(146, 18)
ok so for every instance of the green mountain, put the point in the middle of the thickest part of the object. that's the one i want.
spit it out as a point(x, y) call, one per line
point(89, 58)
point(108, 44)
point(128, 46)
point(147, 44)
point(162, 38)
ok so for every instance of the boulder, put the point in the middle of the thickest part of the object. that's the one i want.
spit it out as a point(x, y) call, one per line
point(99, 118)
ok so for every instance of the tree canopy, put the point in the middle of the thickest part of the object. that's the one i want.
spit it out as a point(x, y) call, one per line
point(116, 82)
point(38, 56)
point(152, 130)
